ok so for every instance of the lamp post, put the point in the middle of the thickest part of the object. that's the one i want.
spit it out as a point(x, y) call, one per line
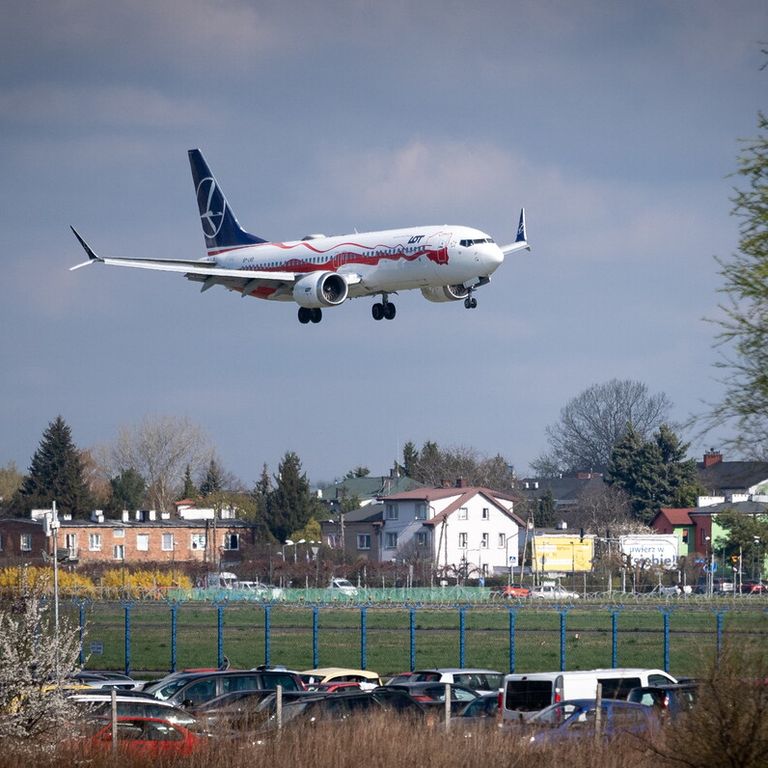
point(758, 571)
point(55, 534)
point(710, 567)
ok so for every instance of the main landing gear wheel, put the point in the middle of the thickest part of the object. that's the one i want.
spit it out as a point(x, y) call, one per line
point(470, 302)
point(307, 315)
point(383, 310)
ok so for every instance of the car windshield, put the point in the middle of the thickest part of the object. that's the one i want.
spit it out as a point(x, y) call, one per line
point(165, 692)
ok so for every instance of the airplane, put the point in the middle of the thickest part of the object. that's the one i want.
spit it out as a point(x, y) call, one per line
point(447, 263)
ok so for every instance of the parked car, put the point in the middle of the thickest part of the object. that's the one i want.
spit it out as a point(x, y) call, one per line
point(434, 692)
point(145, 737)
point(366, 679)
point(343, 587)
point(553, 592)
point(479, 680)
point(192, 689)
point(671, 700)
point(99, 705)
point(511, 592)
point(528, 693)
point(106, 680)
point(574, 719)
point(753, 588)
point(258, 590)
point(240, 710)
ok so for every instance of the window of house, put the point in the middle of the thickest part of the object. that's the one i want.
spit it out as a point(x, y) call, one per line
point(486, 513)
point(390, 512)
point(119, 533)
point(142, 542)
point(390, 541)
point(462, 541)
point(94, 542)
point(421, 512)
point(231, 541)
point(502, 541)
point(462, 513)
point(118, 551)
point(25, 542)
point(70, 542)
point(166, 542)
point(197, 541)
point(363, 540)
point(421, 539)
point(484, 541)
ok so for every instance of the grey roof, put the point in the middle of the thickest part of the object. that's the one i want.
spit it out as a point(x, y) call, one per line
point(565, 490)
point(370, 513)
point(369, 487)
point(742, 507)
point(732, 476)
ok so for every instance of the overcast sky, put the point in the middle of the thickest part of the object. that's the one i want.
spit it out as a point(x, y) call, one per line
point(615, 124)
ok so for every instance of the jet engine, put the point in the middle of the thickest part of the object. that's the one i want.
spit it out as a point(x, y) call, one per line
point(320, 289)
point(445, 293)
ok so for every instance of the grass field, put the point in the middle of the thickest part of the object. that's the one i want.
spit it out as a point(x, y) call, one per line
point(537, 636)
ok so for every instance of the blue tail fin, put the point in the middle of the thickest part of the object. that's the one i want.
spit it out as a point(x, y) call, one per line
point(220, 227)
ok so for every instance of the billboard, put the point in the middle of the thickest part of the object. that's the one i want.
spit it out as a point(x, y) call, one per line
point(563, 553)
point(650, 550)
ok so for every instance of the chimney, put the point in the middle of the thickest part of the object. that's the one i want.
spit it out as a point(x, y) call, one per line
point(97, 516)
point(712, 457)
point(459, 482)
point(126, 516)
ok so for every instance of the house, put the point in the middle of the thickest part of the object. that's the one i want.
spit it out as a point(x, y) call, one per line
point(567, 493)
point(725, 478)
point(679, 523)
point(365, 489)
point(133, 539)
point(469, 529)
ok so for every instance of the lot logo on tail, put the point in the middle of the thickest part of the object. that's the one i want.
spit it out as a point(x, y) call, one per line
point(208, 197)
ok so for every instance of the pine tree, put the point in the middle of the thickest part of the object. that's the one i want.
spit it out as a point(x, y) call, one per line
point(128, 489)
point(213, 482)
point(653, 473)
point(56, 473)
point(290, 504)
point(189, 491)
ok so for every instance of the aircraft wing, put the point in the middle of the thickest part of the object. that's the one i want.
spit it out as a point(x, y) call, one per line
point(208, 273)
point(521, 241)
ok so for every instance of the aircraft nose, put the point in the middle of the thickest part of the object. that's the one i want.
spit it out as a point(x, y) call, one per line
point(494, 257)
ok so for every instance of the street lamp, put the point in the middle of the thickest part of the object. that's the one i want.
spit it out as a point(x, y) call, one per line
point(758, 571)
point(710, 567)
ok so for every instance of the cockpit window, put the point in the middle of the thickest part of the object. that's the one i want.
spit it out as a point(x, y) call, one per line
point(476, 241)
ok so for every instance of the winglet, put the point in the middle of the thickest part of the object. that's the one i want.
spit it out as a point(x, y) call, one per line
point(92, 256)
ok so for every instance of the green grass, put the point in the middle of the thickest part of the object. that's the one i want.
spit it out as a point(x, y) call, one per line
point(588, 637)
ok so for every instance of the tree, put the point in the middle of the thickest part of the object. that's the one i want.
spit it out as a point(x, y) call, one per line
point(10, 482)
point(410, 458)
point(744, 329)
point(128, 489)
point(34, 659)
point(159, 449)
point(290, 505)
point(359, 471)
point(653, 473)
point(56, 473)
point(593, 422)
point(189, 490)
point(747, 538)
point(213, 482)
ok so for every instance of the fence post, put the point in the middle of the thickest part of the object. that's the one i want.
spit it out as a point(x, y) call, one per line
point(719, 618)
point(219, 635)
point(512, 648)
point(174, 632)
point(665, 612)
point(363, 637)
point(462, 633)
point(81, 606)
point(412, 637)
point(127, 614)
point(267, 632)
point(315, 637)
point(563, 614)
point(614, 639)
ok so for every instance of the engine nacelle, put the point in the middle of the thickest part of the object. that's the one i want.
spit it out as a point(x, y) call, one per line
point(320, 289)
point(445, 293)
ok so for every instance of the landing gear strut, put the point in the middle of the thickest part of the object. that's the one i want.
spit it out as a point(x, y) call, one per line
point(470, 302)
point(307, 315)
point(383, 310)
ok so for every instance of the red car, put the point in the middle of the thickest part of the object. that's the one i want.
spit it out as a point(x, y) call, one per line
point(511, 591)
point(148, 736)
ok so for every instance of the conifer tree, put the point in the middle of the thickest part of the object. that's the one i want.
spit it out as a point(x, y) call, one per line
point(213, 482)
point(290, 503)
point(56, 473)
point(190, 490)
point(128, 490)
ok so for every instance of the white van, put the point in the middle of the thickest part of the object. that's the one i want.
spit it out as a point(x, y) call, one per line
point(525, 694)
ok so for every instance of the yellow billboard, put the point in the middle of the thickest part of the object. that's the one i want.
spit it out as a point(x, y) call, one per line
point(563, 553)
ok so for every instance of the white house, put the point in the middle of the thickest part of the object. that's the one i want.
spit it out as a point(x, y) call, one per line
point(455, 527)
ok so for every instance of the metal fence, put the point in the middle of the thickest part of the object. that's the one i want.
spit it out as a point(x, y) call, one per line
point(390, 636)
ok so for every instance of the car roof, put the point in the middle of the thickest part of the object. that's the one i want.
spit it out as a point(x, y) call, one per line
point(460, 670)
point(332, 671)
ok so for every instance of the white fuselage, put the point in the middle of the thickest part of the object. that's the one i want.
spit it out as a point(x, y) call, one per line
point(386, 261)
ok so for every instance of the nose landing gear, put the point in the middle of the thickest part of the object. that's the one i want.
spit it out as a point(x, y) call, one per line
point(470, 302)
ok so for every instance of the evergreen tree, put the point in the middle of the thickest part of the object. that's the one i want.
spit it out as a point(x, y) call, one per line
point(410, 459)
point(56, 473)
point(128, 489)
point(546, 516)
point(653, 473)
point(290, 504)
point(213, 482)
point(189, 491)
